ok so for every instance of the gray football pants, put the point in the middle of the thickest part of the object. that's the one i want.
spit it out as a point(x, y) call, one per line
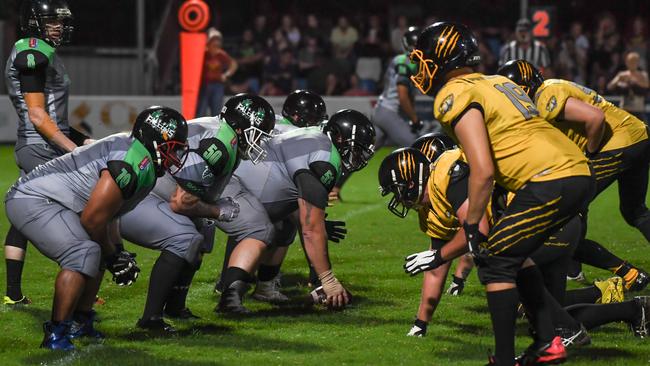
point(391, 128)
point(56, 232)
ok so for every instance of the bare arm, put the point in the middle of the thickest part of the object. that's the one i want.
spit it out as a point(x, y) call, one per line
point(312, 224)
point(187, 204)
point(594, 119)
point(232, 68)
point(104, 203)
point(405, 102)
point(43, 123)
point(613, 83)
point(473, 137)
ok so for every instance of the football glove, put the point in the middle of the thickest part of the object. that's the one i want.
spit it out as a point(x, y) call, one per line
point(415, 126)
point(456, 286)
point(228, 209)
point(422, 261)
point(123, 267)
point(475, 241)
point(419, 329)
point(335, 230)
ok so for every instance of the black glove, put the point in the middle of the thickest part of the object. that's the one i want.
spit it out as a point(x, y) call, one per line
point(476, 241)
point(415, 126)
point(123, 267)
point(335, 230)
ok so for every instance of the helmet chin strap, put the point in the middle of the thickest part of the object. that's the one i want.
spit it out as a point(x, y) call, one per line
point(158, 158)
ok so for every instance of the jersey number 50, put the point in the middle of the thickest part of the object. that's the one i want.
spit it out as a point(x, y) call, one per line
point(519, 99)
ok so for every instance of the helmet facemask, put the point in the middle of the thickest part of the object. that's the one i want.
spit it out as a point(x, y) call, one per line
point(405, 195)
point(356, 157)
point(171, 156)
point(427, 70)
point(55, 29)
point(252, 148)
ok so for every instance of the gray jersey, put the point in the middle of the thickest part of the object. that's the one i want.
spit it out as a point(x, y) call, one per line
point(210, 163)
point(282, 125)
point(299, 150)
point(70, 179)
point(398, 73)
point(31, 56)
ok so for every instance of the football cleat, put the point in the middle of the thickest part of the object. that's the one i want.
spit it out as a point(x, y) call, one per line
point(83, 326)
point(455, 289)
point(157, 325)
point(231, 299)
point(22, 301)
point(611, 290)
point(56, 336)
point(183, 314)
point(269, 291)
point(551, 353)
point(492, 361)
point(636, 279)
point(416, 332)
point(640, 325)
point(579, 277)
point(574, 337)
point(218, 287)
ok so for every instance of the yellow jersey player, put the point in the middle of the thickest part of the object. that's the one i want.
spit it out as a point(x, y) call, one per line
point(622, 154)
point(506, 141)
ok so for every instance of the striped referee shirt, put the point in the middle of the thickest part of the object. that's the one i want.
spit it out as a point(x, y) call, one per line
point(536, 55)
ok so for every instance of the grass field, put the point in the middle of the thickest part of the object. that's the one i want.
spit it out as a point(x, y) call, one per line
point(371, 331)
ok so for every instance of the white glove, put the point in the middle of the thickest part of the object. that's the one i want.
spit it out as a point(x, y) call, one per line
point(228, 209)
point(419, 329)
point(423, 261)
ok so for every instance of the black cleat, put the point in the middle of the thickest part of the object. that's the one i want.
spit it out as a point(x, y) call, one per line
point(574, 337)
point(183, 314)
point(640, 325)
point(156, 325)
point(231, 299)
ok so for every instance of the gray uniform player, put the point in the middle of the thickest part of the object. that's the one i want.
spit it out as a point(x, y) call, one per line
point(67, 209)
point(37, 84)
point(172, 218)
point(394, 115)
point(301, 167)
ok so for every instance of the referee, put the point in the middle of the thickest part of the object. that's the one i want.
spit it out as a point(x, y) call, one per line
point(526, 48)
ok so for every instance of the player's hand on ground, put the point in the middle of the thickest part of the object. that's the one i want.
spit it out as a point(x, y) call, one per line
point(336, 230)
point(418, 329)
point(337, 296)
point(123, 267)
point(228, 209)
point(422, 261)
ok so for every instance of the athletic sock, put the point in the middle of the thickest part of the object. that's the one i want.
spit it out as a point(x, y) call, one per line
point(163, 276)
point(178, 294)
point(537, 301)
point(503, 312)
point(14, 278)
point(267, 273)
point(592, 253)
point(586, 295)
point(232, 274)
point(591, 315)
point(230, 247)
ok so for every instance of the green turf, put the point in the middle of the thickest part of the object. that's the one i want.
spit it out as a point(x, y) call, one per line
point(372, 331)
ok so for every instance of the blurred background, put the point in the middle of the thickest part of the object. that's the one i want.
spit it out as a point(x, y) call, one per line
point(336, 48)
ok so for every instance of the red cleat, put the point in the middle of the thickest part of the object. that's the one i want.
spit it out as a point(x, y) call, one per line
point(552, 353)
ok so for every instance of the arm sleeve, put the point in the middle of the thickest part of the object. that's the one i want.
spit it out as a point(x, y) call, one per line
point(32, 71)
point(310, 188)
point(124, 177)
point(458, 182)
point(403, 73)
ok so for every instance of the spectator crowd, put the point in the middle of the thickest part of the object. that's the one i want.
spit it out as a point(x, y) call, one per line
point(347, 55)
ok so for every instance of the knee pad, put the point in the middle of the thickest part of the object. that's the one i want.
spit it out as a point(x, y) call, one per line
point(15, 239)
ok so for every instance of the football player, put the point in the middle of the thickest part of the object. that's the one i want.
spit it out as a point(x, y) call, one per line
point(302, 108)
point(68, 206)
point(37, 85)
point(301, 168)
point(171, 218)
point(505, 141)
point(444, 200)
point(622, 153)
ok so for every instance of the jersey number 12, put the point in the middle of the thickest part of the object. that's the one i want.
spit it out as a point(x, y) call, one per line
point(519, 99)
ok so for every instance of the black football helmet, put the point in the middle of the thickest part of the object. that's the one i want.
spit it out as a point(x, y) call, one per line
point(432, 145)
point(441, 48)
point(37, 16)
point(404, 173)
point(353, 136)
point(524, 74)
point(253, 119)
point(163, 132)
point(304, 108)
point(409, 38)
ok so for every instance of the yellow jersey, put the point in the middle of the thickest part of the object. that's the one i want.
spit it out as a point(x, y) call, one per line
point(438, 218)
point(623, 129)
point(525, 147)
